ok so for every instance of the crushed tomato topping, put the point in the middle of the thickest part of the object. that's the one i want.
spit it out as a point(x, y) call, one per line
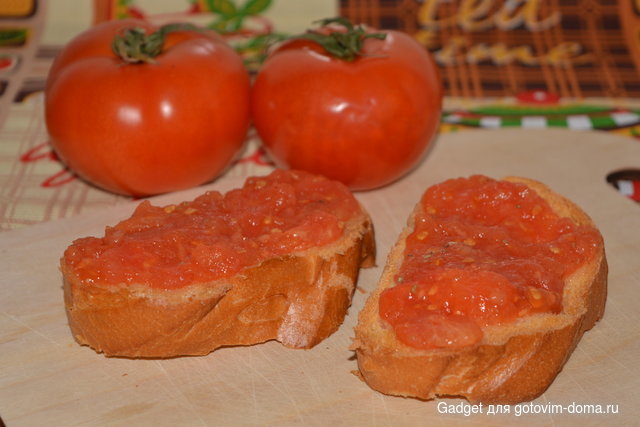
point(483, 252)
point(216, 235)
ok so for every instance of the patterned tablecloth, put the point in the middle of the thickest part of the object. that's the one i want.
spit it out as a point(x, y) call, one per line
point(526, 64)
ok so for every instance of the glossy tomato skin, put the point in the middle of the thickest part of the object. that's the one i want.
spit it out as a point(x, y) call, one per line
point(149, 128)
point(365, 122)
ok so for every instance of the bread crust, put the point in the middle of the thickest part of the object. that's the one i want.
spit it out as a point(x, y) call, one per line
point(513, 363)
point(298, 299)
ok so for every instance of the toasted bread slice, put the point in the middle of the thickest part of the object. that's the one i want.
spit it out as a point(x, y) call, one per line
point(513, 362)
point(297, 298)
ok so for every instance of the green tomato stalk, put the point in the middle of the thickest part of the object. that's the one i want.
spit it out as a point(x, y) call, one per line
point(345, 45)
point(135, 46)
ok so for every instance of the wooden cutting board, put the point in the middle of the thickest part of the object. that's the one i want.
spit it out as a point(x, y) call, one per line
point(46, 378)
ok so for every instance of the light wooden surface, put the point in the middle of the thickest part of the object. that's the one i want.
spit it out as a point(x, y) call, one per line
point(48, 379)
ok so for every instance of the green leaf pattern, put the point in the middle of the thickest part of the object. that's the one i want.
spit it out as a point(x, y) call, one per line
point(225, 8)
point(231, 16)
point(255, 7)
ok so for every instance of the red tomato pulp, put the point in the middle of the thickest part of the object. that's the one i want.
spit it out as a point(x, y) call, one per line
point(483, 252)
point(216, 235)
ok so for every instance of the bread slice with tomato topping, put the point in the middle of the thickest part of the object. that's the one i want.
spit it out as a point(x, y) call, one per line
point(485, 295)
point(277, 259)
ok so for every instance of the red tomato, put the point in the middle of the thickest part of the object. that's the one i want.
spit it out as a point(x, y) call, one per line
point(149, 127)
point(365, 122)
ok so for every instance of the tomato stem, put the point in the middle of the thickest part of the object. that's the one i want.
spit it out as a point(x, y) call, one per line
point(135, 46)
point(345, 45)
